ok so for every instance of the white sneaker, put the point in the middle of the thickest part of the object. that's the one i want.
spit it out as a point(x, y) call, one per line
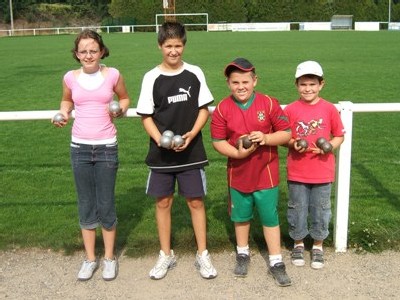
point(164, 263)
point(110, 269)
point(204, 265)
point(87, 270)
point(317, 259)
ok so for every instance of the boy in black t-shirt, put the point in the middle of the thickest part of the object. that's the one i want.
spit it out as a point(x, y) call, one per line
point(174, 96)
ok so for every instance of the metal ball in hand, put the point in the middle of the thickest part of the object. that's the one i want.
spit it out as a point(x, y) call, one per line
point(320, 141)
point(166, 142)
point(302, 144)
point(114, 107)
point(326, 147)
point(58, 118)
point(177, 140)
point(245, 141)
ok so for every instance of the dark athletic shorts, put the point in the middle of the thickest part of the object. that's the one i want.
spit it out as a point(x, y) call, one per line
point(191, 183)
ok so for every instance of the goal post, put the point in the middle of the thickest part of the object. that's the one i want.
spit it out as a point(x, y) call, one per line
point(190, 20)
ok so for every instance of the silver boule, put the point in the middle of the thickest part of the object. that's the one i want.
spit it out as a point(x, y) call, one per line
point(165, 142)
point(168, 133)
point(58, 117)
point(114, 107)
point(178, 140)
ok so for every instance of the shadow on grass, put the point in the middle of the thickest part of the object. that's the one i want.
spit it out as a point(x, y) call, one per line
point(381, 190)
point(219, 211)
point(131, 209)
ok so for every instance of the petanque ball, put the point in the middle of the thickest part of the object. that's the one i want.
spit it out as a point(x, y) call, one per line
point(168, 133)
point(302, 143)
point(58, 117)
point(326, 147)
point(114, 107)
point(177, 140)
point(246, 142)
point(166, 142)
point(320, 141)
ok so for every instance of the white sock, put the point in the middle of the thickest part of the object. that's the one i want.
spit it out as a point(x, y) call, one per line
point(243, 250)
point(317, 247)
point(205, 252)
point(274, 259)
point(298, 245)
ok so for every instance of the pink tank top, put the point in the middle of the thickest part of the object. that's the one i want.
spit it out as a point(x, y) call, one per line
point(92, 120)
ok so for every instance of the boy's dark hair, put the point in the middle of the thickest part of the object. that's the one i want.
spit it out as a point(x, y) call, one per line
point(171, 30)
point(90, 34)
point(312, 76)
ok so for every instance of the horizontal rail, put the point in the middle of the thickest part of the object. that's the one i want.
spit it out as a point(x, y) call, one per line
point(48, 114)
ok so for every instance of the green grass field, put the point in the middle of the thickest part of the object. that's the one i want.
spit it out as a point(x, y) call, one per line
point(37, 195)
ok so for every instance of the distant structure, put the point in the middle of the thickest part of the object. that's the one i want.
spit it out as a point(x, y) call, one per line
point(169, 10)
point(342, 22)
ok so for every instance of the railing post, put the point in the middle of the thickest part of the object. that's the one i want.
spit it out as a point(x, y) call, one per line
point(343, 167)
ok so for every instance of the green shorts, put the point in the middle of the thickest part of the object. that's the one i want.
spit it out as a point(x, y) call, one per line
point(266, 202)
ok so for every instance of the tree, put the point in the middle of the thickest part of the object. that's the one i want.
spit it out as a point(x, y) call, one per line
point(142, 12)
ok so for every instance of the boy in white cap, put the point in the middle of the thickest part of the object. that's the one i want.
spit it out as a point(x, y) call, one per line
point(311, 164)
point(253, 173)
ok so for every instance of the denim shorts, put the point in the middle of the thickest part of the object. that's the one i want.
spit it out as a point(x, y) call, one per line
point(95, 171)
point(309, 204)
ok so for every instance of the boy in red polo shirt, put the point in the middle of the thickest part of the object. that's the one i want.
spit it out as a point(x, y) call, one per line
point(253, 173)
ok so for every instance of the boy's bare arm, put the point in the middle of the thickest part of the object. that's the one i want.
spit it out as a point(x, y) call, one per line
point(198, 125)
point(270, 139)
point(151, 129)
point(336, 141)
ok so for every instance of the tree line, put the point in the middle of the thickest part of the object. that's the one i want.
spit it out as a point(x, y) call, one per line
point(142, 12)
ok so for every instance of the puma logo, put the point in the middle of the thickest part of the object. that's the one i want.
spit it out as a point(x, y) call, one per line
point(182, 90)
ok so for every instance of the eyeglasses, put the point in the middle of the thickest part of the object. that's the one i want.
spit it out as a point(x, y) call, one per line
point(86, 53)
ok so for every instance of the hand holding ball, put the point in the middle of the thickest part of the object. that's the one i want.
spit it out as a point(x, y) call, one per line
point(177, 141)
point(170, 140)
point(114, 107)
point(303, 144)
point(165, 142)
point(247, 143)
point(324, 145)
point(320, 141)
point(58, 117)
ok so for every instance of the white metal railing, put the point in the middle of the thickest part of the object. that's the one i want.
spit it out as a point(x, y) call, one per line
point(221, 26)
point(343, 165)
point(343, 161)
point(70, 30)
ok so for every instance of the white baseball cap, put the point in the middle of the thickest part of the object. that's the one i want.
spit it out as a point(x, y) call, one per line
point(309, 68)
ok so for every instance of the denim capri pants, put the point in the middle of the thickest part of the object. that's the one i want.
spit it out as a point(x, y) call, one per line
point(309, 210)
point(95, 171)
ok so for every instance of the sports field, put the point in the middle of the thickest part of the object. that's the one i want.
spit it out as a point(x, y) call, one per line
point(37, 196)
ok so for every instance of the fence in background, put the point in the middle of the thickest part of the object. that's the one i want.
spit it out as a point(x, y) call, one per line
point(343, 161)
point(220, 26)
